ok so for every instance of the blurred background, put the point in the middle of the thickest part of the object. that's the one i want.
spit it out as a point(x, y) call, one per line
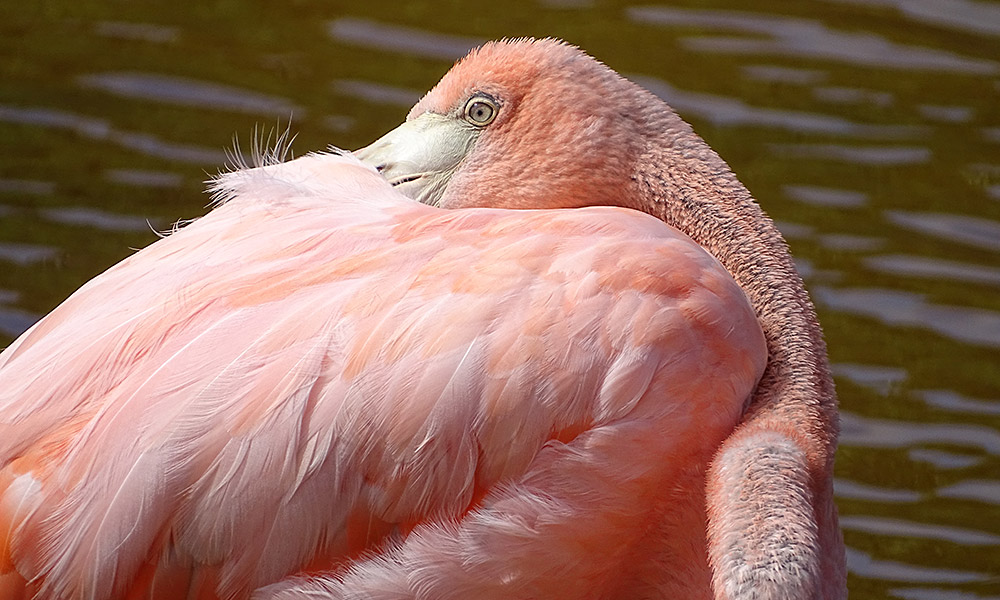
point(868, 129)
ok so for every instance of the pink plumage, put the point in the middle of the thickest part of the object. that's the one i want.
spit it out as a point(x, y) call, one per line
point(326, 386)
point(320, 346)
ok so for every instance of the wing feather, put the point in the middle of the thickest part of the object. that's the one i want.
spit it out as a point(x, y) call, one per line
point(320, 365)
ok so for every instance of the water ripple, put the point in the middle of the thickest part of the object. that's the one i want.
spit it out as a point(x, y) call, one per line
point(962, 229)
point(567, 4)
point(946, 114)
point(937, 594)
point(942, 459)
point(27, 186)
point(98, 219)
point(849, 95)
point(822, 196)
point(394, 38)
point(728, 112)
point(144, 32)
point(144, 178)
point(778, 74)
point(895, 307)
point(933, 268)
point(968, 16)
point(377, 93)
point(849, 242)
point(980, 490)
point(806, 38)
point(866, 432)
point(150, 145)
point(878, 378)
point(804, 267)
point(189, 92)
point(795, 231)
point(865, 155)
point(14, 321)
point(901, 528)
point(26, 254)
point(97, 129)
point(100, 130)
point(955, 402)
point(863, 565)
point(338, 123)
point(846, 488)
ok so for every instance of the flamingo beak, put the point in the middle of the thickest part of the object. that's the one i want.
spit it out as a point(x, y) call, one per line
point(419, 157)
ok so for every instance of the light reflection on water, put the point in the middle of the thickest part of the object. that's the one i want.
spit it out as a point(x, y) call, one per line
point(14, 321)
point(829, 197)
point(856, 430)
point(97, 219)
point(962, 229)
point(900, 528)
point(805, 38)
point(883, 156)
point(932, 268)
point(936, 594)
point(845, 488)
point(943, 460)
point(377, 93)
point(849, 95)
point(879, 378)
point(730, 112)
point(947, 114)
point(847, 242)
point(145, 32)
point(26, 254)
point(872, 144)
point(144, 178)
point(27, 186)
point(986, 491)
point(864, 565)
point(963, 15)
point(408, 40)
point(100, 130)
point(189, 92)
point(897, 308)
point(774, 73)
point(955, 402)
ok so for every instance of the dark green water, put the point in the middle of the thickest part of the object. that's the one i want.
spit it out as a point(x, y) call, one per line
point(869, 129)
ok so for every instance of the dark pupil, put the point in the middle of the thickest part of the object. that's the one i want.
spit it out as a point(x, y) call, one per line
point(481, 111)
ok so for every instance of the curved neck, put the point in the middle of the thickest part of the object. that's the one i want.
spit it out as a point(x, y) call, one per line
point(682, 181)
point(788, 436)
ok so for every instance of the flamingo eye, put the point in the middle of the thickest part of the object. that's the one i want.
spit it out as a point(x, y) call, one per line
point(480, 110)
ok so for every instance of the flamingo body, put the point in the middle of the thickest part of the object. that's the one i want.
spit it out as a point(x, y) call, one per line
point(321, 367)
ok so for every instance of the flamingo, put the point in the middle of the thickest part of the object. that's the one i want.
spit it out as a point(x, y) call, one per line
point(325, 389)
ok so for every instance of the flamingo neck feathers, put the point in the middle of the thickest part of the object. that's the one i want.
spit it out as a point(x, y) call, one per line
point(782, 453)
point(682, 181)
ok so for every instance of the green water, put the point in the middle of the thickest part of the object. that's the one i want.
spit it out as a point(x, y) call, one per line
point(869, 129)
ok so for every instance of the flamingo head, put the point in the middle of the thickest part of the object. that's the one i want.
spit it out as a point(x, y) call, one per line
point(521, 124)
